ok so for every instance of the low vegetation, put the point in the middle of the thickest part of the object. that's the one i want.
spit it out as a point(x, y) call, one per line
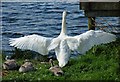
point(99, 63)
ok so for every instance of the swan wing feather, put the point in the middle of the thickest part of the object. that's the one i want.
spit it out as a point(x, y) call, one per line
point(33, 42)
point(90, 38)
point(72, 42)
point(54, 43)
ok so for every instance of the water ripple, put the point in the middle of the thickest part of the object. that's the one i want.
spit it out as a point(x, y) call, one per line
point(42, 18)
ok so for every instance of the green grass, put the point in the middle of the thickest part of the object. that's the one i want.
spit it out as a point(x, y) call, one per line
point(99, 63)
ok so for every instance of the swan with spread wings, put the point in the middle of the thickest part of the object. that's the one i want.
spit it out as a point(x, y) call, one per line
point(63, 44)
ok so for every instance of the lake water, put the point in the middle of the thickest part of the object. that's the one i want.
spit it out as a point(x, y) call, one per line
point(42, 18)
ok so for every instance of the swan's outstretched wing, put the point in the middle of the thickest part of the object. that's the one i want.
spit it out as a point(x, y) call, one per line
point(62, 53)
point(32, 42)
point(87, 40)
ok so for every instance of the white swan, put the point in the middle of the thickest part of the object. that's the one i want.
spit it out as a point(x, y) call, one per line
point(63, 44)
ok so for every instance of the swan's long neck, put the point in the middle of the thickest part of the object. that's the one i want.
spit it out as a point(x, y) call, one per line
point(63, 30)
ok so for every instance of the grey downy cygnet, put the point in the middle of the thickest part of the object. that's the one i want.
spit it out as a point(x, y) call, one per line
point(55, 69)
point(10, 64)
point(27, 66)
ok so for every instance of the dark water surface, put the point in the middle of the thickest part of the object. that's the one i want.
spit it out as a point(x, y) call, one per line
point(42, 18)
